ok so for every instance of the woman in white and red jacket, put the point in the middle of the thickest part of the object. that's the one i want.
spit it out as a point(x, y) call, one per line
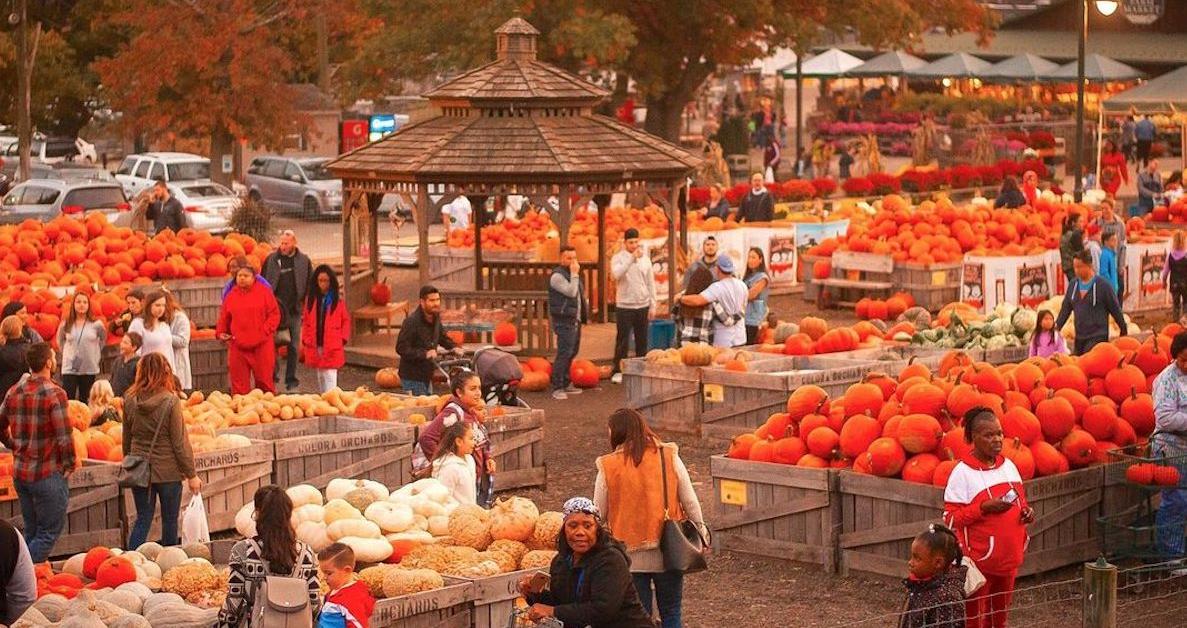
point(985, 505)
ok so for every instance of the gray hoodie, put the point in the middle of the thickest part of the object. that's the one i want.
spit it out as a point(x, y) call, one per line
point(1092, 310)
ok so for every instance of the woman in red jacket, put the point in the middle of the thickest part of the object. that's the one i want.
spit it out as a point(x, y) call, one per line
point(985, 505)
point(247, 322)
point(1113, 171)
point(325, 328)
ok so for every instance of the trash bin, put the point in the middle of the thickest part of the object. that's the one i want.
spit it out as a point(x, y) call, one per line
point(661, 334)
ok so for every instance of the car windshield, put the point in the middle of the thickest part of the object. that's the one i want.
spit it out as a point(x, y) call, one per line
point(189, 171)
point(206, 190)
point(316, 171)
point(95, 198)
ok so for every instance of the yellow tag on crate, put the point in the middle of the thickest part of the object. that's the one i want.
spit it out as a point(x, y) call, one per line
point(939, 278)
point(733, 493)
point(714, 393)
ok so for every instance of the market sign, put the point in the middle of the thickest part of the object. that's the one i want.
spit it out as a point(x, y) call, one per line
point(1144, 12)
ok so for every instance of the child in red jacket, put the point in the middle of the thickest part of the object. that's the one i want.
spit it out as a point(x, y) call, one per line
point(247, 322)
point(985, 505)
point(349, 602)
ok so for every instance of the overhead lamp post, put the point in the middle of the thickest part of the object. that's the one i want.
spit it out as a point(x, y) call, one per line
point(1106, 8)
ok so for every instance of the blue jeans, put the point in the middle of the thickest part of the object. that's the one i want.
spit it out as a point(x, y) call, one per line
point(413, 387)
point(669, 592)
point(292, 321)
point(1170, 521)
point(568, 342)
point(146, 506)
point(43, 506)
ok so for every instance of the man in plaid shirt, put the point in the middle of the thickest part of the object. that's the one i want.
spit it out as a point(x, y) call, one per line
point(33, 424)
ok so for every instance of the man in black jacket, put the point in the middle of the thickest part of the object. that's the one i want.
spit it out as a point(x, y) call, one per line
point(287, 270)
point(757, 205)
point(418, 341)
point(1091, 298)
point(166, 212)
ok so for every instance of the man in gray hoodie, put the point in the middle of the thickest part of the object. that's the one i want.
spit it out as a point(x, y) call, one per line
point(634, 298)
point(1092, 300)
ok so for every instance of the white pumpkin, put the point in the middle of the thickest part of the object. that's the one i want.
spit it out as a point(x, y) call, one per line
point(314, 534)
point(428, 508)
point(390, 517)
point(308, 512)
point(336, 509)
point(74, 564)
point(245, 522)
point(303, 494)
point(367, 550)
point(171, 557)
point(150, 570)
point(436, 493)
point(338, 488)
point(352, 527)
point(439, 526)
point(416, 536)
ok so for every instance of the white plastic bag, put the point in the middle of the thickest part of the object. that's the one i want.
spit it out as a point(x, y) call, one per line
point(194, 527)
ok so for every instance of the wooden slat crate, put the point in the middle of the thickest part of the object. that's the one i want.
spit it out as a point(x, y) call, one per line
point(200, 298)
point(230, 478)
point(892, 359)
point(775, 510)
point(517, 443)
point(208, 364)
point(451, 269)
point(668, 395)
point(881, 516)
point(494, 598)
point(1005, 355)
point(92, 511)
point(447, 607)
point(735, 402)
point(319, 449)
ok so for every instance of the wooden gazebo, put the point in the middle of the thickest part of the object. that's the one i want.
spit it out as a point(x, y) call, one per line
point(515, 126)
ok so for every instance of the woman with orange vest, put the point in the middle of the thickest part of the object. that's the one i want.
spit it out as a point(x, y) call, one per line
point(630, 491)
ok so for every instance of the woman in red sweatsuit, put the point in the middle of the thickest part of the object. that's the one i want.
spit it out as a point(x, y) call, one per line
point(985, 505)
point(247, 322)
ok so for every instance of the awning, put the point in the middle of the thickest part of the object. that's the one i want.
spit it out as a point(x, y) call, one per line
point(1024, 67)
point(959, 65)
point(892, 63)
point(829, 64)
point(1097, 69)
point(1165, 94)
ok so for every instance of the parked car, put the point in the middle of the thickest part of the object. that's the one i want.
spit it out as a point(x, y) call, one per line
point(138, 172)
point(52, 150)
point(295, 184)
point(207, 205)
point(70, 172)
point(46, 199)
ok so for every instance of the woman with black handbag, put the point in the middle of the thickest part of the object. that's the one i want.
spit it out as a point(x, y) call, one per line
point(155, 434)
point(649, 503)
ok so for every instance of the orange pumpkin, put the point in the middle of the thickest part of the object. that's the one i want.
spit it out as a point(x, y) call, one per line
point(740, 446)
point(1079, 447)
point(1022, 424)
point(863, 398)
point(925, 398)
point(885, 457)
point(807, 400)
point(814, 327)
point(1047, 459)
point(505, 334)
point(857, 434)
point(823, 442)
point(584, 374)
point(918, 433)
point(1056, 416)
point(115, 571)
point(921, 468)
point(1138, 411)
point(789, 450)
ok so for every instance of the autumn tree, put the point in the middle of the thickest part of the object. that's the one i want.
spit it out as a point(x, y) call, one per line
point(668, 47)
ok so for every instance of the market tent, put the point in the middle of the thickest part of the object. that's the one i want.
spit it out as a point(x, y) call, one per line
point(1097, 69)
point(1024, 67)
point(1165, 94)
point(828, 64)
point(774, 62)
point(892, 63)
point(959, 65)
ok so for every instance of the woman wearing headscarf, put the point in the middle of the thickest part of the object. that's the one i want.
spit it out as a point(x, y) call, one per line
point(590, 579)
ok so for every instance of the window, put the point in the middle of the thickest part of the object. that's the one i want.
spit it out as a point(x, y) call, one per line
point(206, 190)
point(189, 171)
point(158, 171)
point(35, 195)
point(13, 198)
point(296, 141)
point(256, 167)
point(316, 171)
point(274, 168)
point(61, 148)
point(95, 198)
point(142, 169)
point(127, 166)
point(293, 170)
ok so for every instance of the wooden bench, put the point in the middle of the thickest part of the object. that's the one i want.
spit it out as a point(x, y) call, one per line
point(855, 275)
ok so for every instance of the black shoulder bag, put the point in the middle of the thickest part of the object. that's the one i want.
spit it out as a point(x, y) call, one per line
point(681, 542)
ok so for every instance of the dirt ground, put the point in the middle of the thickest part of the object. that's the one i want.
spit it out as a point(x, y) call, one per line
point(740, 585)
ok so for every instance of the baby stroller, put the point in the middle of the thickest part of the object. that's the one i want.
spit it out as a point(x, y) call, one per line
point(499, 371)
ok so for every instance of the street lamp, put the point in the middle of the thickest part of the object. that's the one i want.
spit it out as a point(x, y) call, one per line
point(1106, 8)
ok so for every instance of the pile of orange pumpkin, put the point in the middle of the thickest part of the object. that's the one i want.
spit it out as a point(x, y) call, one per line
point(1057, 414)
point(812, 336)
point(1150, 474)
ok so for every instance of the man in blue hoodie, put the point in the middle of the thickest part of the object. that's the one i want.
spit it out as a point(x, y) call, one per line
point(1092, 300)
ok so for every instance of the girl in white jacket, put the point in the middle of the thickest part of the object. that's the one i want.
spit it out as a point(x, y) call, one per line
point(453, 463)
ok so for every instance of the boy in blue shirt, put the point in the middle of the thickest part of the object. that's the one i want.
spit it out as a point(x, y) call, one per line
point(1108, 262)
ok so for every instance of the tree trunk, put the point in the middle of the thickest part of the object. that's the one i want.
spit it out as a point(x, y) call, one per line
point(221, 143)
point(663, 115)
point(26, 50)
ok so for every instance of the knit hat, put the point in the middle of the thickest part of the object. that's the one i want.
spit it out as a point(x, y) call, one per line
point(630, 234)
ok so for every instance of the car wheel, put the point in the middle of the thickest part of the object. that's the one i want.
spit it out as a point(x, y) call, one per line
point(310, 209)
point(254, 196)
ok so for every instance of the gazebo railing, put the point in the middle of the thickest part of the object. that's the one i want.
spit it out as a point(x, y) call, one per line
point(529, 307)
point(534, 276)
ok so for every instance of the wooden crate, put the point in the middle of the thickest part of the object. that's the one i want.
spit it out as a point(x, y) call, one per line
point(447, 607)
point(93, 514)
point(881, 516)
point(230, 478)
point(735, 402)
point(494, 598)
point(891, 359)
point(208, 365)
point(775, 510)
point(316, 450)
point(200, 298)
point(668, 395)
point(517, 444)
point(908, 273)
point(1005, 355)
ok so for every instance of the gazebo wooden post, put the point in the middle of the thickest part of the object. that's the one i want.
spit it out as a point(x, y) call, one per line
point(347, 212)
point(603, 283)
point(478, 278)
point(420, 214)
point(373, 201)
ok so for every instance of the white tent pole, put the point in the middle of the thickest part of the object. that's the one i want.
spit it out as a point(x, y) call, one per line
point(1100, 139)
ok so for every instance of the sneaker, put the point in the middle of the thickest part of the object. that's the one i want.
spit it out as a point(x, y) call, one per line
point(573, 390)
point(616, 378)
point(559, 395)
